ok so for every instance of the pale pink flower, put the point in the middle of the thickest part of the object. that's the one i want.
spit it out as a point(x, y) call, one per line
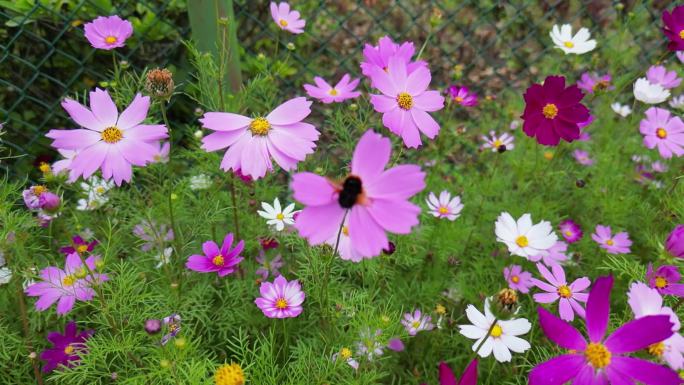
point(557, 288)
point(286, 19)
point(343, 90)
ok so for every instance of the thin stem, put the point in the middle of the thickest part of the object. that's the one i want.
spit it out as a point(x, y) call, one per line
point(162, 104)
point(479, 346)
point(233, 198)
point(27, 331)
point(427, 39)
point(678, 304)
point(328, 265)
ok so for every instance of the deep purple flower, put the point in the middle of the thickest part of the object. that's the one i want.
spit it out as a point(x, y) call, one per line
point(602, 361)
point(66, 348)
point(268, 267)
point(78, 245)
point(222, 261)
point(570, 230)
point(674, 28)
point(675, 242)
point(173, 325)
point(665, 279)
point(462, 96)
point(590, 82)
point(553, 111)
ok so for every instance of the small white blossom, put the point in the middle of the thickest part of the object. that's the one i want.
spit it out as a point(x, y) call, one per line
point(649, 93)
point(563, 39)
point(276, 216)
point(621, 109)
point(200, 182)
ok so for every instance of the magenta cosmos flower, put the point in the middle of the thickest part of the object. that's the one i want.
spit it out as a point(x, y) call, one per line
point(286, 19)
point(660, 75)
point(663, 131)
point(108, 32)
point(665, 279)
point(222, 261)
point(447, 377)
point(405, 101)
point(553, 111)
point(591, 83)
point(570, 230)
point(518, 279)
point(108, 141)
point(79, 245)
point(674, 28)
point(66, 286)
point(374, 200)
point(377, 57)
point(280, 299)
point(602, 361)
point(252, 142)
point(462, 96)
point(557, 288)
point(617, 244)
point(66, 348)
point(343, 90)
point(674, 244)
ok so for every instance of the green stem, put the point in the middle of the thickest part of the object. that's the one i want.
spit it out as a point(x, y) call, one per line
point(479, 346)
point(233, 198)
point(27, 331)
point(427, 39)
point(328, 265)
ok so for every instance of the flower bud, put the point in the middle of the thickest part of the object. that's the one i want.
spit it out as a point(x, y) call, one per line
point(505, 304)
point(675, 242)
point(152, 326)
point(49, 201)
point(159, 83)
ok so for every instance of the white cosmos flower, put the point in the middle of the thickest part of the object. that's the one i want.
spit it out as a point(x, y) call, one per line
point(200, 182)
point(445, 206)
point(5, 275)
point(649, 93)
point(276, 216)
point(92, 202)
point(503, 337)
point(97, 186)
point(578, 44)
point(522, 237)
point(164, 257)
point(677, 101)
point(621, 109)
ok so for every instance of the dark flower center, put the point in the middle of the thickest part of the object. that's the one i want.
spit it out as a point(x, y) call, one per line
point(351, 189)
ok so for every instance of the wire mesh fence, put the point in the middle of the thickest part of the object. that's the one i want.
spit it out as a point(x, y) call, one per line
point(489, 45)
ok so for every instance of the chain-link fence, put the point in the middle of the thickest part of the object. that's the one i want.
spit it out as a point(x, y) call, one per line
point(489, 45)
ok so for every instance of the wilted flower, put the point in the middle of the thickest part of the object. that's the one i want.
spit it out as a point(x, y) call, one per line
point(200, 182)
point(153, 235)
point(369, 345)
point(345, 354)
point(159, 83)
point(164, 257)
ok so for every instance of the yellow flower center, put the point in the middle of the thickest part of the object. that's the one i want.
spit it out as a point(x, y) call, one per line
point(548, 155)
point(81, 248)
point(601, 85)
point(283, 23)
point(661, 133)
point(280, 216)
point(458, 99)
point(657, 349)
point(260, 126)
point(610, 242)
point(597, 355)
point(496, 332)
point(522, 241)
point(69, 350)
point(112, 134)
point(681, 34)
point(38, 190)
point(660, 282)
point(515, 279)
point(405, 101)
point(217, 260)
point(550, 111)
point(564, 291)
point(110, 40)
point(345, 230)
point(44, 167)
point(440, 309)
point(415, 324)
point(68, 280)
point(497, 143)
point(345, 353)
point(568, 233)
point(100, 190)
point(229, 375)
point(281, 303)
point(443, 210)
point(569, 44)
point(333, 92)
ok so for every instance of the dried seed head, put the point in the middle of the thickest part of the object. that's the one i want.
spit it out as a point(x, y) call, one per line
point(159, 83)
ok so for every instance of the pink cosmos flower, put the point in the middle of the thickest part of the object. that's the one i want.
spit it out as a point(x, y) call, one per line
point(377, 57)
point(108, 141)
point(108, 32)
point(662, 131)
point(518, 279)
point(582, 157)
point(343, 90)
point(553, 111)
point(286, 19)
point(222, 261)
point(344, 245)
point(674, 244)
point(66, 286)
point(462, 96)
point(557, 288)
point(373, 199)
point(252, 142)
point(591, 83)
point(417, 321)
point(280, 299)
point(660, 75)
point(570, 230)
point(646, 301)
point(603, 361)
point(618, 244)
point(162, 155)
point(268, 266)
point(554, 255)
point(405, 101)
point(498, 143)
point(665, 279)
point(674, 28)
point(63, 164)
point(447, 377)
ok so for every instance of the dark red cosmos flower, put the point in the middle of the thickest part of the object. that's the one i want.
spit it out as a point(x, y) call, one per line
point(553, 111)
point(66, 347)
point(674, 28)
